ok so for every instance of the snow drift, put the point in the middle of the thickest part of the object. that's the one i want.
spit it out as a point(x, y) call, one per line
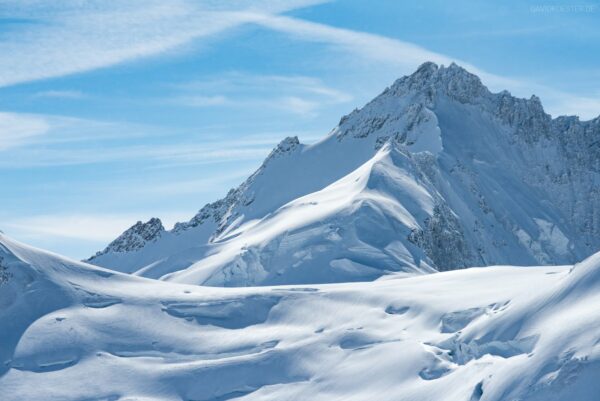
point(71, 331)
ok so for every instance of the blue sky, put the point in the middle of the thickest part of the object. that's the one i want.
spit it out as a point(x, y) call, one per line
point(113, 112)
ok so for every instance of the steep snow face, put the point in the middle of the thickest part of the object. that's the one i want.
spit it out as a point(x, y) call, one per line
point(504, 183)
point(357, 228)
point(69, 331)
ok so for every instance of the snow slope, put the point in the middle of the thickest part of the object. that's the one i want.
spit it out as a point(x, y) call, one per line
point(435, 173)
point(70, 331)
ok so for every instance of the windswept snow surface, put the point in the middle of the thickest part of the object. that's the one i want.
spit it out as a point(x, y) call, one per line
point(71, 331)
point(435, 173)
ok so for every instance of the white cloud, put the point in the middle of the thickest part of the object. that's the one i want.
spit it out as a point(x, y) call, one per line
point(82, 226)
point(291, 104)
point(287, 84)
point(208, 184)
point(297, 105)
point(22, 133)
point(103, 149)
point(160, 155)
point(576, 105)
point(20, 129)
point(85, 227)
point(202, 101)
point(295, 94)
point(561, 103)
point(60, 94)
point(367, 45)
point(65, 38)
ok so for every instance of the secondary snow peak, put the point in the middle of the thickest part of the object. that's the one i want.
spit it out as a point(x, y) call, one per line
point(135, 237)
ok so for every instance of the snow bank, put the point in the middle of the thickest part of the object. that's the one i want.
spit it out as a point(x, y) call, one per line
point(74, 332)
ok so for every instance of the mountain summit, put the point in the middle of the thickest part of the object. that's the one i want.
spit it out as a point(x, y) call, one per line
point(435, 173)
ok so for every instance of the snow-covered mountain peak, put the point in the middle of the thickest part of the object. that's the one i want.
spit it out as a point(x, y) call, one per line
point(408, 110)
point(431, 80)
point(289, 144)
point(135, 237)
point(470, 178)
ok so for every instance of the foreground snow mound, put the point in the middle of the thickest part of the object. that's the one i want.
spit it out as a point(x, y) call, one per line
point(435, 173)
point(73, 332)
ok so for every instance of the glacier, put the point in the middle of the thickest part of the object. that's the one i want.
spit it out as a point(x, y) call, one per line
point(436, 173)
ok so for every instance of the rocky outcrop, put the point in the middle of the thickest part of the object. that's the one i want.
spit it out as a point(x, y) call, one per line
point(135, 237)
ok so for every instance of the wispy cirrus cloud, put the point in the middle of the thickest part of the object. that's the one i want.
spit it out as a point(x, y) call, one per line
point(81, 226)
point(78, 234)
point(17, 129)
point(301, 95)
point(22, 133)
point(153, 155)
point(58, 38)
point(60, 94)
point(250, 84)
point(202, 100)
point(208, 184)
point(83, 142)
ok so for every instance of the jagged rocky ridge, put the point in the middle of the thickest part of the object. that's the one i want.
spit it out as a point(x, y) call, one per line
point(135, 237)
point(435, 173)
